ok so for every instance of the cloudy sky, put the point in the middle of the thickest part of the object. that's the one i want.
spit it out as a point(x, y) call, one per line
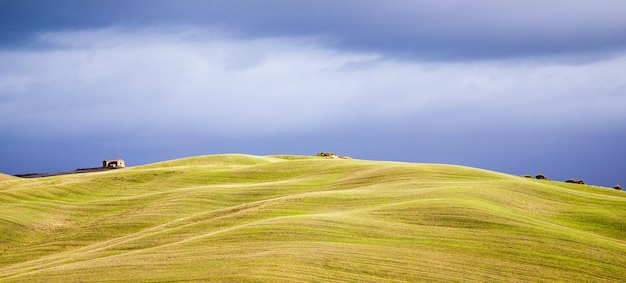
point(522, 87)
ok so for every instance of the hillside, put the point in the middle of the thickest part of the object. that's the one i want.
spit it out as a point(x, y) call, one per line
point(5, 177)
point(241, 218)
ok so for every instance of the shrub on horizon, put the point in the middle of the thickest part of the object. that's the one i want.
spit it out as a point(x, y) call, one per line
point(326, 154)
point(574, 181)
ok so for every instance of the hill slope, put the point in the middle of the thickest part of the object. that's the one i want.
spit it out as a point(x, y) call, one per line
point(5, 177)
point(237, 218)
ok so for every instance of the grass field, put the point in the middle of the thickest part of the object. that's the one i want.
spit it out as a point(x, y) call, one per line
point(241, 218)
point(5, 177)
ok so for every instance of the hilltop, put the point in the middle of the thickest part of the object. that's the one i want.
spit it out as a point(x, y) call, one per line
point(5, 177)
point(243, 218)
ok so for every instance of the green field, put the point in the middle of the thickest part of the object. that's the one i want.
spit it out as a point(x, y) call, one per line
point(242, 218)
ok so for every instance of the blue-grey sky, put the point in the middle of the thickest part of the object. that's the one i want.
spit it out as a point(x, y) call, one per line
point(522, 87)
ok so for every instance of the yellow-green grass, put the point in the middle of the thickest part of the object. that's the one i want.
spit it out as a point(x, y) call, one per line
point(241, 218)
point(6, 177)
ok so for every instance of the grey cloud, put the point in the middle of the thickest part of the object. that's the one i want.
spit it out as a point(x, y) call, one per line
point(230, 85)
point(424, 30)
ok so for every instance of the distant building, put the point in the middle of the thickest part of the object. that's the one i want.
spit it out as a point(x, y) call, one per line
point(113, 163)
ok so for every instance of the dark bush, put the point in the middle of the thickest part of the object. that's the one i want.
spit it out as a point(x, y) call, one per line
point(574, 181)
point(618, 187)
point(527, 176)
point(541, 177)
point(326, 154)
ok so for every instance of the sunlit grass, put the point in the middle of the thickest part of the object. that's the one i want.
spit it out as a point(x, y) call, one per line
point(4, 177)
point(241, 218)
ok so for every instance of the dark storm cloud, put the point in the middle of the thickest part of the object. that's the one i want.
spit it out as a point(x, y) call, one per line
point(430, 30)
point(250, 86)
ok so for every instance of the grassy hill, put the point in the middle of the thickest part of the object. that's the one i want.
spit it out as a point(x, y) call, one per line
point(5, 177)
point(241, 218)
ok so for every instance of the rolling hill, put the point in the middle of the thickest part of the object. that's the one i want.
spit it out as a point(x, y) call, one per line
point(5, 177)
point(242, 218)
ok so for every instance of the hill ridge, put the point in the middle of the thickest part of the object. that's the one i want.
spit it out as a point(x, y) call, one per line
point(239, 217)
point(6, 177)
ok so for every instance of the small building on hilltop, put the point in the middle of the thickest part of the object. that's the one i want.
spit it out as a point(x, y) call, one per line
point(113, 163)
point(333, 155)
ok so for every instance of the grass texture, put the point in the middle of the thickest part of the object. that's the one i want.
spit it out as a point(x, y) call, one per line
point(242, 218)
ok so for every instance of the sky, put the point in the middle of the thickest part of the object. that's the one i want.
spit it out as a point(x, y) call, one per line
point(520, 87)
